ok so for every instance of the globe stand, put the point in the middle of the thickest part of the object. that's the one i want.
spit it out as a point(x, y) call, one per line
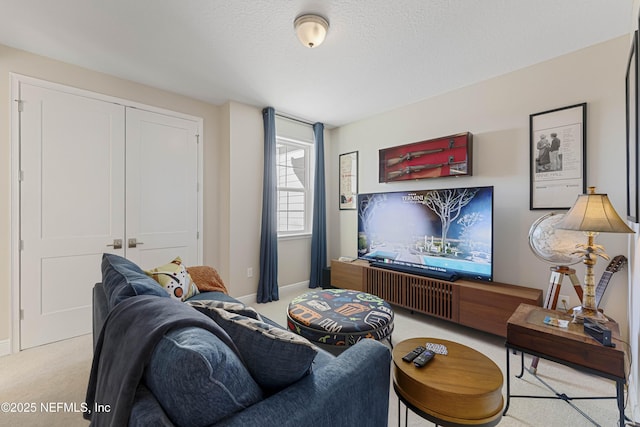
point(558, 273)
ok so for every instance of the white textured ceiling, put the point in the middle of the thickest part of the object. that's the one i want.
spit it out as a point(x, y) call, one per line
point(378, 55)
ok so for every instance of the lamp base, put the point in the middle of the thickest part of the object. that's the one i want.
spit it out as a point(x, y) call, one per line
point(579, 313)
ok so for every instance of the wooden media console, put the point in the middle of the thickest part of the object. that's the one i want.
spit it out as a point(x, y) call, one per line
point(479, 305)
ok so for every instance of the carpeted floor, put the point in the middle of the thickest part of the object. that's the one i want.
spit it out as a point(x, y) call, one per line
point(52, 379)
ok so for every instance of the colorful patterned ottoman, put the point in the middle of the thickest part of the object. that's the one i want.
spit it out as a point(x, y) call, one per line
point(340, 317)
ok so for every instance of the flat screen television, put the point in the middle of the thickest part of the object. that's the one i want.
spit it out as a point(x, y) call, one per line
point(446, 233)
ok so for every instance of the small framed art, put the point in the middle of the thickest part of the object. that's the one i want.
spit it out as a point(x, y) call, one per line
point(348, 180)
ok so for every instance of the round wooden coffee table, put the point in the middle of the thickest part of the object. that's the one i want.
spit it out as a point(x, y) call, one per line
point(462, 388)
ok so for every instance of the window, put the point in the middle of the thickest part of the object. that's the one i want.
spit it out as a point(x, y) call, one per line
point(294, 188)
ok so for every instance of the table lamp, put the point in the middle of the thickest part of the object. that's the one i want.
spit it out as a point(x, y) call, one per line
point(592, 213)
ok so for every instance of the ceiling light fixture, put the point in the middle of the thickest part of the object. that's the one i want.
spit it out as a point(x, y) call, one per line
point(311, 29)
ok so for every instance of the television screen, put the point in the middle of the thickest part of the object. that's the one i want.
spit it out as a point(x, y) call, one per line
point(439, 233)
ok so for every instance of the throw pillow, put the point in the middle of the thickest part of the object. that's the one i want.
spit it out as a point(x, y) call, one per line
point(122, 279)
point(274, 356)
point(197, 379)
point(207, 279)
point(175, 279)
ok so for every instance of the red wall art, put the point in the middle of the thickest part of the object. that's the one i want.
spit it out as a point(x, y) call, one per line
point(433, 158)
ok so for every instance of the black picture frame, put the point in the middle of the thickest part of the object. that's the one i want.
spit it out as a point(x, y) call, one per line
point(348, 180)
point(558, 165)
point(631, 111)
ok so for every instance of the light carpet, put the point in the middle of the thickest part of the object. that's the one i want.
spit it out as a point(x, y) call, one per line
point(52, 379)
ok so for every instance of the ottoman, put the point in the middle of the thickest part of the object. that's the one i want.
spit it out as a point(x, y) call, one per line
point(340, 317)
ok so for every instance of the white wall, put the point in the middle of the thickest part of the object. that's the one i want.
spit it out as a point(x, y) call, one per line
point(497, 112)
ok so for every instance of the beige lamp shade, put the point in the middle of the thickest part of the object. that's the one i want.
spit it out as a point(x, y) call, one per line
point(593, 212)
point(311, 29)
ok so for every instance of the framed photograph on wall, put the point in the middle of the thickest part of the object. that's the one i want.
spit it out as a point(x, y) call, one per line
point(557, 157)
point(632, 131)
point(348, 180)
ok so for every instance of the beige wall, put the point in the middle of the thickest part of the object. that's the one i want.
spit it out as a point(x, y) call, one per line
point(232, 187)
point(497, 112)
point(20, 62)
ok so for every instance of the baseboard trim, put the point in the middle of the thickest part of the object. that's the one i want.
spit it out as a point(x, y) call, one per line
point(5, 347)
point(283, 291)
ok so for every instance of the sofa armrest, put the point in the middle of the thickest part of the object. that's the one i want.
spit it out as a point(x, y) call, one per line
point(350, 390)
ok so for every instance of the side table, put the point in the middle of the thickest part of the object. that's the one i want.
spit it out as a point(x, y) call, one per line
point(462, 388)
point(527, 333)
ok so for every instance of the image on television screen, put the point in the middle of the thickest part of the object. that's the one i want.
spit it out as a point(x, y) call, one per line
point(430, 232)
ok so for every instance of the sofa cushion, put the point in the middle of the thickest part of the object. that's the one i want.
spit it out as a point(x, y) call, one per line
point(175, 279)
point(274, 356)
point(122, 279)
point(197, 379)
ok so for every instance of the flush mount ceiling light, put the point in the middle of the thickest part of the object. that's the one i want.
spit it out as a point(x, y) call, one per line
point(311, 29)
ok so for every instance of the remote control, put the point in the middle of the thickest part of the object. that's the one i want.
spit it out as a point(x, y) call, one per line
point(424, 358)
point(413, 354)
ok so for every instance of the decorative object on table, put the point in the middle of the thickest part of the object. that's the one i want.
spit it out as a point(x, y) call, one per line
point(592, 213)
point(434, 158)
point(558, 156)
point(556, 247)
point(633, 141)
point(348, 180)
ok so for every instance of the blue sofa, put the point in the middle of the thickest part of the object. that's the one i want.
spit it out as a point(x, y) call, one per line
point(225, 384)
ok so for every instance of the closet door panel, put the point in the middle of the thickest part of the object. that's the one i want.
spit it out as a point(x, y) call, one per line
point(161, 188)
point(71, 207)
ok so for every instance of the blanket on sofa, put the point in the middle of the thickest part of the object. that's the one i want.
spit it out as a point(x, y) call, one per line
point(125, 345)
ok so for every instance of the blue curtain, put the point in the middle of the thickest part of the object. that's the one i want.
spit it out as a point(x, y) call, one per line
point(268, 283)
point(319, 236)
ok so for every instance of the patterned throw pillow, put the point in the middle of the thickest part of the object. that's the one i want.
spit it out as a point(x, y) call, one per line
point(274, 356)
point(175, 279)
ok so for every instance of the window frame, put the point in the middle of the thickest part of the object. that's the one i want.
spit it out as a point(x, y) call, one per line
point(307, 189)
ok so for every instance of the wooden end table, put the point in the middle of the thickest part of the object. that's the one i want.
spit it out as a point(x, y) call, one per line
point(527, 333)
point(462, 388)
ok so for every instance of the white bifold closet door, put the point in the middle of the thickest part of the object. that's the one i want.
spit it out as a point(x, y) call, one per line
point(92, 174)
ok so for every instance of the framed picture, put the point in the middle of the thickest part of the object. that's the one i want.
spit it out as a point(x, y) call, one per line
point(433, 158)
point(632, 131)
point(348, 180)
point(558, 157)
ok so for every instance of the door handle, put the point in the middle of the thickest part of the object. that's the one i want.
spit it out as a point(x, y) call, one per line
point(132, 243)
point(117, 244)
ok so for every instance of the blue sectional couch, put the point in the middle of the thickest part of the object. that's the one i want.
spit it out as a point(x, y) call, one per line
point(212, 361)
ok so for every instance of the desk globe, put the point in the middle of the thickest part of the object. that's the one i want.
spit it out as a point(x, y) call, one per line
point(553, 245)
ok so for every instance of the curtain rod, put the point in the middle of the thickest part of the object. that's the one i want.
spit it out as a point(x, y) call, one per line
point(294, 119)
